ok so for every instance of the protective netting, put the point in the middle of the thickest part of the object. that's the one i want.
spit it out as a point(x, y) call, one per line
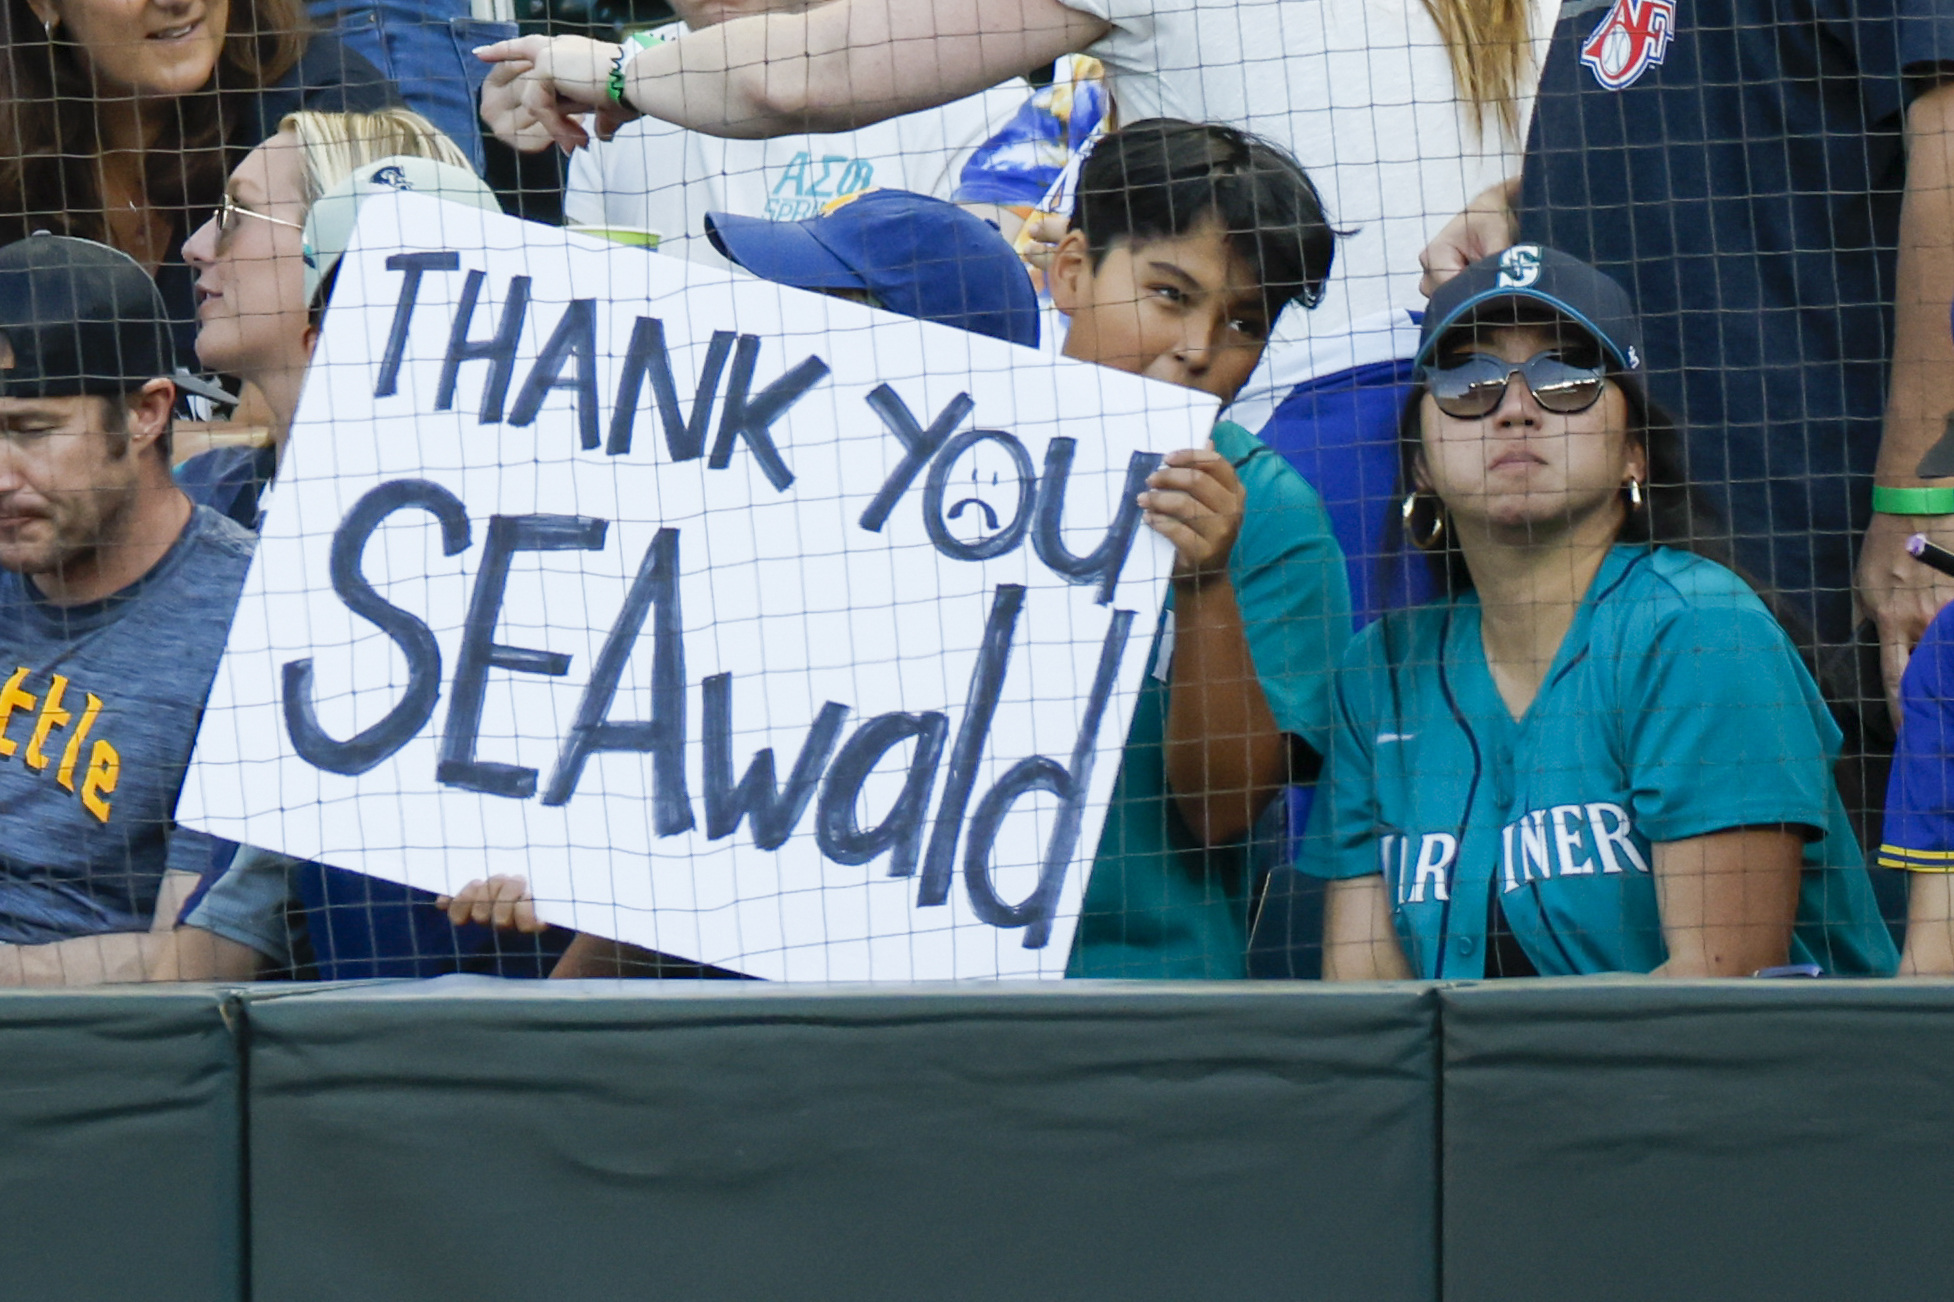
point(1126, 488)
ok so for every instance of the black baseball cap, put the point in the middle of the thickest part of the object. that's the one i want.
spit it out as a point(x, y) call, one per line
point(1591, 299)
point(79, 317)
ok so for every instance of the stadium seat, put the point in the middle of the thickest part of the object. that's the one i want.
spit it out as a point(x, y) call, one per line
point(1356, 473)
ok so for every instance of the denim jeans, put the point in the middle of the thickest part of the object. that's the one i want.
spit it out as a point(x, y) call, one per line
point(424, 47)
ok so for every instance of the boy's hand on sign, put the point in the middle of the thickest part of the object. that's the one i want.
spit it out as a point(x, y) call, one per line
point(1195, 501)
point(540, 87)
point(500, 902)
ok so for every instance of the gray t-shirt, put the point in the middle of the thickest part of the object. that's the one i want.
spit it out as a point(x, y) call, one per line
point(99, 705)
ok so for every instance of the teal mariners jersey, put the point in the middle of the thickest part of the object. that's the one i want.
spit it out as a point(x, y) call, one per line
point(1159, 903)
point(1676, 707)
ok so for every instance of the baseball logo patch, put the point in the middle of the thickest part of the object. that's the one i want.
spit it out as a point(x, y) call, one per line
point(1631, 39)
point(392, 177)
point(1519, 266)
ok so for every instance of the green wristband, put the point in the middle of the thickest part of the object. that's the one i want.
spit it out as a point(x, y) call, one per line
point(1913, 501)
point(634, 45)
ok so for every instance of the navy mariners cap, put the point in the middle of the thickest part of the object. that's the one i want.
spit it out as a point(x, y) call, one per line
point(915, 255)
point(80, 317)
point(1591, 299)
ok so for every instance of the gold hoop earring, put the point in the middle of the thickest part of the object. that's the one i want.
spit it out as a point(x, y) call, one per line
point(1635, 494)
point(1408, 509)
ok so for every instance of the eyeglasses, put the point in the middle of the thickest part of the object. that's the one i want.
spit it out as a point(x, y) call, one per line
point(229, 210)
point(1475, 385)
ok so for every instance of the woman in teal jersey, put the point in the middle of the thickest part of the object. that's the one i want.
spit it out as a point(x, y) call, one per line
point(1598, 751)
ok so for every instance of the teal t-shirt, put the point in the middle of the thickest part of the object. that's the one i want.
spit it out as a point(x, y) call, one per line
point(1676, 707)
point(1159, 903)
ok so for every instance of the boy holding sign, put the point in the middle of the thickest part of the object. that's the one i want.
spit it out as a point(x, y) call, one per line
point(1187, 241)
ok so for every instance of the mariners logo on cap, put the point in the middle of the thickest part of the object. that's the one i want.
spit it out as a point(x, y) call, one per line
point(1519, 266)
point(1631, 39)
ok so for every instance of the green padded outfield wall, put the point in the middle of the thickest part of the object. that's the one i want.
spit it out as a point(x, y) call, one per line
point(1568, 1140)
point(738, 1143)
point(1621, 1141)
point(119, 1146)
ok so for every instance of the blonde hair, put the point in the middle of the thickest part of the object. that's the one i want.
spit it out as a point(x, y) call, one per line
point(332, 146)
point(1491, 46)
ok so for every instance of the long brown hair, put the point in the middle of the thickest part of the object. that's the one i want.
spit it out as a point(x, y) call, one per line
point(1491, 46)
point(50, 135)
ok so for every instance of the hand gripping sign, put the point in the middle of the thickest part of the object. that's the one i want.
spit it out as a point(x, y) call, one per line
point(751, 626)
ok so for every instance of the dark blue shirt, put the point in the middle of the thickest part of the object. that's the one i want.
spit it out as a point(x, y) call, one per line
point(1738, 164)
point(230, 481)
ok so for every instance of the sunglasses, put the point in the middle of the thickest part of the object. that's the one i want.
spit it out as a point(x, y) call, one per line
point(1474, 385)
point(229, 210)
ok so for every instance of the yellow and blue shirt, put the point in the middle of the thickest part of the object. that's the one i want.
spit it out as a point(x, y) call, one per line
point(99, 706)
point(1919, 833)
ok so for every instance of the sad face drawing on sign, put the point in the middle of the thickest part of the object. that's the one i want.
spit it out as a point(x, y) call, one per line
point(986, 486)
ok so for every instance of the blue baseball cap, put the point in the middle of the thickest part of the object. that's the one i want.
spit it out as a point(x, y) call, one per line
point(1591, 299)
point(913, 254)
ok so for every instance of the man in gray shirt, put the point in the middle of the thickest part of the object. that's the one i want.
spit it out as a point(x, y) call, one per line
point(116, 597)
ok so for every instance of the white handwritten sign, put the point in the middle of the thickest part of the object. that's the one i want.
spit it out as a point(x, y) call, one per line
point(751, 626)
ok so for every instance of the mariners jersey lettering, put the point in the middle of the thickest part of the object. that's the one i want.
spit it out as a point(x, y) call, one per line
point(1582, 836)
point(1576, 840)
point(1674, 708)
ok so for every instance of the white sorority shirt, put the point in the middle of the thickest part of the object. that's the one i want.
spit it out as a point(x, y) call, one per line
point(1361, 92)
point(655, 176)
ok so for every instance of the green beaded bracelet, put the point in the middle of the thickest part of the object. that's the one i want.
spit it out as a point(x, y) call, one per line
point(634, 45)
point(1913, 501)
